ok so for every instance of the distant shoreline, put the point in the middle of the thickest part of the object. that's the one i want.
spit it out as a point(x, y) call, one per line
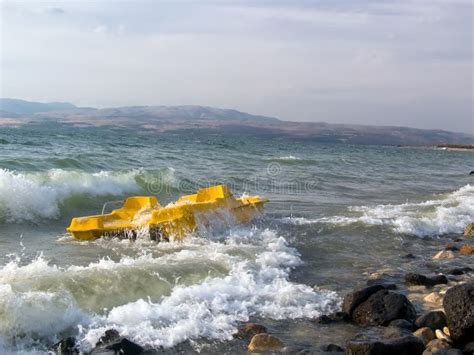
point(456, 147)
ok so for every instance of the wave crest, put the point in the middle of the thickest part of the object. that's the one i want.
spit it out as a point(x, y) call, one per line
point(449, 213)
point(40, 195)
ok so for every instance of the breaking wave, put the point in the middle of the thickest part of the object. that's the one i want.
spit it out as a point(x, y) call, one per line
point(40, 195)
point(448, 213)
point(194, 289)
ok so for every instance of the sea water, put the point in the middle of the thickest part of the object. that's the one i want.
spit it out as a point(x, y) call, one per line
point(336, 213)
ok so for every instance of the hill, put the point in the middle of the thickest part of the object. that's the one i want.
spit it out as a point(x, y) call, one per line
point(217, 120)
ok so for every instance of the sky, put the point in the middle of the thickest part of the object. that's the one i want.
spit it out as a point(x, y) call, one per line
point(405, 63)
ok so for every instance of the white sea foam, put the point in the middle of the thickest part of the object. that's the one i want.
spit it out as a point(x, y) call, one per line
point(288, 157)
point(447, 213)
point(300, 220)
point(32, 196)
point(206, 288)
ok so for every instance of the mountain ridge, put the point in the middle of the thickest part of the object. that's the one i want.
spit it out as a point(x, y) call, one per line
point(220, 121)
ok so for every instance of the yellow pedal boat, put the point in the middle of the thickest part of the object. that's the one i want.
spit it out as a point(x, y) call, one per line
point(173, 221)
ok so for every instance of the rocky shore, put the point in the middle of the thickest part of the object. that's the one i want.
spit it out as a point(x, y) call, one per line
point(409, 313)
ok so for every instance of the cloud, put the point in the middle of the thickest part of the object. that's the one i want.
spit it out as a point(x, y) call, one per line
point(56, 11)
point(406, 62)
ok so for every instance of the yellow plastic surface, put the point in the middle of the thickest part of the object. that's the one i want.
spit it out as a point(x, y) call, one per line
point(174, 221)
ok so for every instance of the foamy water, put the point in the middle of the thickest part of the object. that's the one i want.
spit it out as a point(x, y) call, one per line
point(41, 300)
point(447, 213)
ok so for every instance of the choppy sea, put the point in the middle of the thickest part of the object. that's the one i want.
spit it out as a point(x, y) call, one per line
point(336, 213)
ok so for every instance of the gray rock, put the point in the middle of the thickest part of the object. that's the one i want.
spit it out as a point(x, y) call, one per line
point(468, 348)
point(112, 343)
point(332, 318)
point(458, 304)
point(382, 307)
point(434, 320)
point(385, 341)
point(65, 346)
point(459, 270)
point(401, 323)
point(412, 279)
point(353, 299)
point(382, 282)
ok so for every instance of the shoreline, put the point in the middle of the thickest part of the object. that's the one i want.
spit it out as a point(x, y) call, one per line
point(456, 147)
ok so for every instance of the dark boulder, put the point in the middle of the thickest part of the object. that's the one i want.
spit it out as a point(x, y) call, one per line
point(468, 348)
point(382, 307)
point(332, 318)
point(353, 299)
point(412, 279)
point(112, 343)
point(458, 304)
point(66, 346)
point(110, 335)
point(385, 341)
point(382, 282)
point(401, 323)
point(434, 320)
point(459, 270)
point(125, 347)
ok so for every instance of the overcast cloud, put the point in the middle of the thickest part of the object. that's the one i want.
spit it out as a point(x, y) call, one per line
point(341, 61)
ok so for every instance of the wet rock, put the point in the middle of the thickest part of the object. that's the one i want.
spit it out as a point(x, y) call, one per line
point(444, 254)
point(425, 334)
point(412, 279)
point(65, 346)
point(382, 282)
point(434, 320)
point(409, 256)
point(438, 344)
point(401, 323)
point(440, 347)
point(385, 341)
point(467, 249)
point(333, 318)
point(434, 297)
point(382, 307)
point(248, 330)
point(440, 335)
point(353, 299)
point(265, 342)
point(329, 348)
point(109, 336)
point(458, 304)
point(468, 348)
point(451, 246)
point(469, 230)
point(112, 343)
point(459, 270)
